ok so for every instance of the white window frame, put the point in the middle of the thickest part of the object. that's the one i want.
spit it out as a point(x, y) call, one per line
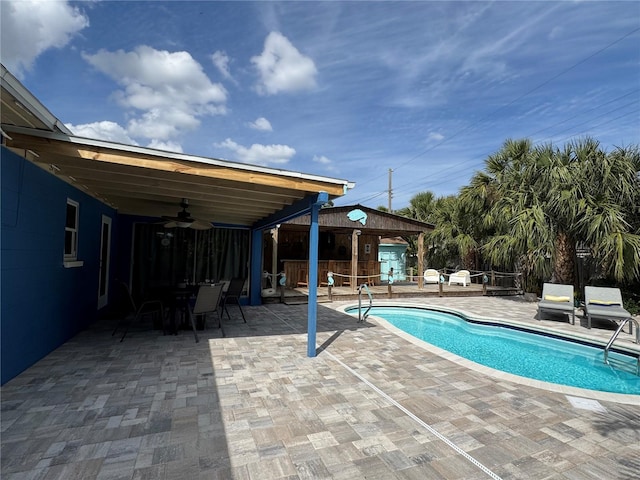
point(71, 258)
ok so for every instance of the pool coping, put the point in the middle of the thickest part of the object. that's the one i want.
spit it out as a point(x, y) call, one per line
point(624, 398)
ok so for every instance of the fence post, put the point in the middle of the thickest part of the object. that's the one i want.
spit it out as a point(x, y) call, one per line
point(330, 285)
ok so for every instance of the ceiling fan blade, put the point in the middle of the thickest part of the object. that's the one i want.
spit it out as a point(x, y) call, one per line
point(185, 220)
point(201, 225)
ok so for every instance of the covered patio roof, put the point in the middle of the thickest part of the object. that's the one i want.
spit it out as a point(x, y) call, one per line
point(148, 182)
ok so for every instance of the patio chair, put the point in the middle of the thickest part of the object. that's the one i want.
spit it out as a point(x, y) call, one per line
point(460, 277)
point(132, 313)
point(431, 276)
point(345, 276)
point(557, 298)
point(605, 303)
point(303, 278)
point(233, 296)
point(207, 301)
point(323, 277)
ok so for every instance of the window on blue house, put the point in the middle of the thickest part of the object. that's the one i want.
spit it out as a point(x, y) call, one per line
point(71, 231)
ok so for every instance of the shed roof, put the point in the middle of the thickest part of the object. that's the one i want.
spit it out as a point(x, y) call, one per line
point(384, 224)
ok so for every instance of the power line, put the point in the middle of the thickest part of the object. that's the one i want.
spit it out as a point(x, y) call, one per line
point(540, 142)
point(486, 117)
point(562, 140)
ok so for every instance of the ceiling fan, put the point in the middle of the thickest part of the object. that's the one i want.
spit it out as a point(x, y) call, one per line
point(184, 219)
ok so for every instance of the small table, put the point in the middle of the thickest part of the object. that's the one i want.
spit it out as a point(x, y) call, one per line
point(178, 301)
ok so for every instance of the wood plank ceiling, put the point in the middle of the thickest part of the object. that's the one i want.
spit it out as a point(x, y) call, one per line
point(148, 182)
point(143, 183)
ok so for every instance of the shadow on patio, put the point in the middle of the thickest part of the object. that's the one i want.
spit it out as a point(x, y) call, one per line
point(159, 406)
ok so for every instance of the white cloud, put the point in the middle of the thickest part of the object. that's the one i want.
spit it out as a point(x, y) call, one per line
point(258, 154)
point(327, 163)
point(435, 136)
point(168, 92)
point(321, 159)
point(167, 146)
point(112, 132)
point(162, 124)
point(221, 62)
point(282, 68)
point(261, 124)
point(29, 28)
point(556, 32)
point(105, 130)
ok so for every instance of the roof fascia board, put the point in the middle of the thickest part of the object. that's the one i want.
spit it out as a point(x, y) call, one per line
point(18, 91)
point(383, 213)
point(301, 207)
point(88, 142)
point(325, 212)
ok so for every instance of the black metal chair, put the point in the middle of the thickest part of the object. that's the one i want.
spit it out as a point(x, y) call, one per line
point(207, 301)
point(233, 296)
point(133, 313)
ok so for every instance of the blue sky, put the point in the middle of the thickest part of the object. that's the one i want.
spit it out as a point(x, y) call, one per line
point(343, 89)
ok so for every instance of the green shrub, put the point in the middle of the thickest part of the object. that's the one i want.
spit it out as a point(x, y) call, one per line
point(632, 306)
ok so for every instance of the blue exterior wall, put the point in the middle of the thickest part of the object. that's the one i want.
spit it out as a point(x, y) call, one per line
point(43, 304)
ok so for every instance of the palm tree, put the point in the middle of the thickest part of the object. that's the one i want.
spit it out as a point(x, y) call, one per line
point(451, 242)
point(514, 231)
point(541, 201)
point(601, 207)
point(421, 208)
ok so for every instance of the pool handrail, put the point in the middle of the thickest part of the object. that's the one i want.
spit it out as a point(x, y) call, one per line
point(362, 318)
point(615, 335)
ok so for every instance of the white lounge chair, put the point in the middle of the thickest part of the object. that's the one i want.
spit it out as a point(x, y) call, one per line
point(557, 298)
point(431, 276)
point(460, 277)
point(604, 303)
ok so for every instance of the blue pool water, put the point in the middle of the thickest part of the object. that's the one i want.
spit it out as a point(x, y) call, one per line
point(521, 353)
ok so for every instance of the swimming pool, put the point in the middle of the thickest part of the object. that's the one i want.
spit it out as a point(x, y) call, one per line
point(518, 352)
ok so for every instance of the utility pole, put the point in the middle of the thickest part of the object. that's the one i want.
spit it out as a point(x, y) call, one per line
point(390, 190)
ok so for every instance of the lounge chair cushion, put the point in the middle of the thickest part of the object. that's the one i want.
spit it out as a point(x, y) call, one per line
point(556, 298)
point(604, 303)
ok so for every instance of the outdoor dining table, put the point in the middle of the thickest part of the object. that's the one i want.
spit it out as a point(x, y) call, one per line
point(177, 300)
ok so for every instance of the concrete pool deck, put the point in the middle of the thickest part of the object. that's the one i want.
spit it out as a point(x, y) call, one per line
point(372, 404)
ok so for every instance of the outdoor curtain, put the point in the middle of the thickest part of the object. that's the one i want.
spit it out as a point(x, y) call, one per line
point(166, 257)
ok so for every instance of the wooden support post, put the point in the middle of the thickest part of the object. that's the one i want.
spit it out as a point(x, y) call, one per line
point(440, 289)
point(330, 294)
point(389, 292)
point(354, 259)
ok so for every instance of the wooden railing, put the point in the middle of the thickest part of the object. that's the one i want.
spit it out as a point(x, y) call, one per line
point(297, 272)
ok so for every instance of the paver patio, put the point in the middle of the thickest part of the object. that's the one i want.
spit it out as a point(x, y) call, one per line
point(371, 404)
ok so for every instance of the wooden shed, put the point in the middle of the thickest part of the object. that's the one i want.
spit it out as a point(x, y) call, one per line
point(349, 241)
